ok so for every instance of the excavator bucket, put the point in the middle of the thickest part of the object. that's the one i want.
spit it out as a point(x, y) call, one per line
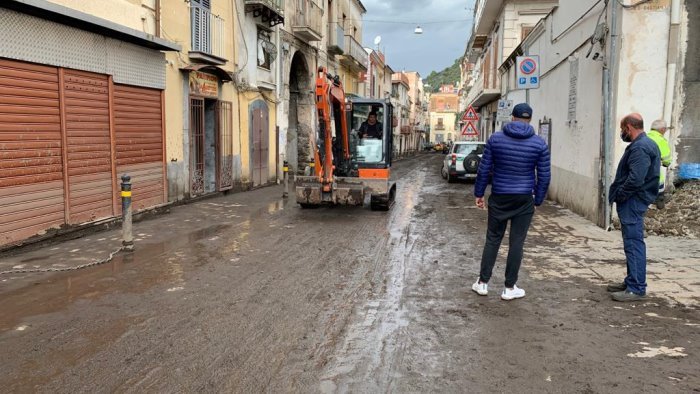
point(343, 191)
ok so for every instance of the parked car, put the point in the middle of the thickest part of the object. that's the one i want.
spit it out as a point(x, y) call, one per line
point(462, 162)
point(438, 147)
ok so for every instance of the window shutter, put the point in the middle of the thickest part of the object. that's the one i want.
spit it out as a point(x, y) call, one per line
point(196, 29)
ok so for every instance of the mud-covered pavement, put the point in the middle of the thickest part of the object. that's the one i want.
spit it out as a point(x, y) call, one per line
point(249, 293)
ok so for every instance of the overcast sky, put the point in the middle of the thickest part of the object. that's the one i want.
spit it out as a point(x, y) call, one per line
point(439, 45)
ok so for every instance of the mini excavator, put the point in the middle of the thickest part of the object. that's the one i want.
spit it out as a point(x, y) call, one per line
point(349, 162)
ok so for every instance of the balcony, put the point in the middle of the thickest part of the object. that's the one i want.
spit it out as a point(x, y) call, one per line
point(269, 11)
point(336, 39)
point(307, 21)
point(208, 38)
point(480, 94)
point(355, 58)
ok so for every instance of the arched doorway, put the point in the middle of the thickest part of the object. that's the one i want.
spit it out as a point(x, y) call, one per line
point(298, 149)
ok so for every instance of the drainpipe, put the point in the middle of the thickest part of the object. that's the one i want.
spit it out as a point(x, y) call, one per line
point(608, 111)
point(672, 59)
point(279, 107)
point(158, 18)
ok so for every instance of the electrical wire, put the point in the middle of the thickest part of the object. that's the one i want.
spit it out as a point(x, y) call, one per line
point(407, 22)
point(245, 44)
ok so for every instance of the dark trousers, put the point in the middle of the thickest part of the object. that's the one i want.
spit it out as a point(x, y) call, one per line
point(518, 209)
point(631, 214)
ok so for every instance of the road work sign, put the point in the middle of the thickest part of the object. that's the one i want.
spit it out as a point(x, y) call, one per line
point(527, 73)
point(469, 129)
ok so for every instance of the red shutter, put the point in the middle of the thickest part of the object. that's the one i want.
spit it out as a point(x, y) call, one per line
point(88, 142)
point(31, 164)
point(138, 127)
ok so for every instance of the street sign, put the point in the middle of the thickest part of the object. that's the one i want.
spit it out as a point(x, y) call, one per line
point(527, 73)
point(469, 129)
point(505, 109)
point(470, 115)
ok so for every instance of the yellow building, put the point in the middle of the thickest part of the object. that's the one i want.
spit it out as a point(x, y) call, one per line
point(443, 117)
point(345, 40)
point(220, 99)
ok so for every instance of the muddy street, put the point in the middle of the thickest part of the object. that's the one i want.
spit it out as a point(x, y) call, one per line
point(249, 293)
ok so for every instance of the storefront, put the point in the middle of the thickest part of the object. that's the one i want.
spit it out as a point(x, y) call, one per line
point(73, 119)
point(211, 132)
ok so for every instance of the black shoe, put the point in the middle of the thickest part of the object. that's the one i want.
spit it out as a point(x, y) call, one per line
point(615, 287)
point(627, 296)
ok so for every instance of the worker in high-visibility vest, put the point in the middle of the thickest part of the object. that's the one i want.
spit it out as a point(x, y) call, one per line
point(658, 129)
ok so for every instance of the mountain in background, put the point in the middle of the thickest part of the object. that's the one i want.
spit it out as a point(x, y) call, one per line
point(450, 75)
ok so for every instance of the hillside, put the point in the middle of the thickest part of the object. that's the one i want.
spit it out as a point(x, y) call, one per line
point(450, 75)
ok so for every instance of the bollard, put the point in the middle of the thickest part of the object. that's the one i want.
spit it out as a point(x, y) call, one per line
point(285, 171)
point(127, 235)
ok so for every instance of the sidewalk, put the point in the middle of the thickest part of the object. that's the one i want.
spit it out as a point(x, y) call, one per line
point(575, 249)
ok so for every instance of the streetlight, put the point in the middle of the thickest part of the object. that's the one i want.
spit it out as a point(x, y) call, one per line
point(418, 30)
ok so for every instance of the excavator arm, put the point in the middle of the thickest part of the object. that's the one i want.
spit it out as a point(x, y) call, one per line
point(330, 107)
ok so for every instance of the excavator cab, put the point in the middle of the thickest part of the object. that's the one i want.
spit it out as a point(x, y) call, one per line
point(371, 153)
point(352, 150)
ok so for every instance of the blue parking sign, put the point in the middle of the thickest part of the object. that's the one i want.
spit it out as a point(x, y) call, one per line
point(522, 80)
point(533, 80)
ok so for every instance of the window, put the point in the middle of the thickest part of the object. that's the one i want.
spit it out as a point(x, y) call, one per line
point(266, 50)
point(369, 149)
point(467, 149)
point(525, 31)
point(201, 25)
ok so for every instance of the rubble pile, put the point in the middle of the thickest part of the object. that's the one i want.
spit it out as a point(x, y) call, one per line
point(680, 217)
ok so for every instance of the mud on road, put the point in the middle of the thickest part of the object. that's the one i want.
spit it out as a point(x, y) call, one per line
point(249, 293)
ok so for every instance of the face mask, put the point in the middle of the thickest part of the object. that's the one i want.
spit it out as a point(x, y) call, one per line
point(625, 136)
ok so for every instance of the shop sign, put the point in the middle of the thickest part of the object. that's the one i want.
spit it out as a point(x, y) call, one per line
point(203, 84)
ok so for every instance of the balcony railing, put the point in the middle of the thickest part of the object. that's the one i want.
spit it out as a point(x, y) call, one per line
point(270, 11)
point(336, 39)
point(356, 52)
point(307, 22)
point(208, 36)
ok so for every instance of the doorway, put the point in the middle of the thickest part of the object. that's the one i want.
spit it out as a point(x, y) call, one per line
point(211, 134)
point(260, 141)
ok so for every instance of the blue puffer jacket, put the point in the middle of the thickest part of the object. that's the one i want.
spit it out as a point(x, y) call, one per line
point(519, 162)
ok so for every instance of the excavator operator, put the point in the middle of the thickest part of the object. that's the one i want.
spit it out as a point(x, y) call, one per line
point(371, 128)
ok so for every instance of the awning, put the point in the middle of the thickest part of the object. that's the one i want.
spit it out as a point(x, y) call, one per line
point(222, 74)
point(66, 16)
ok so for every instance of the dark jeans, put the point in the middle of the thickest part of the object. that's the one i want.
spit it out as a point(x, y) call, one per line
point(518, 209)
point(631, 214)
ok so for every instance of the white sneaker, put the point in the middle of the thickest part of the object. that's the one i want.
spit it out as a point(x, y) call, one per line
point(511, 294)
point(480, 288)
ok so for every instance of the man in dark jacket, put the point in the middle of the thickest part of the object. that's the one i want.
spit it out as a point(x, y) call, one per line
point(517, 160)
point(636, 186)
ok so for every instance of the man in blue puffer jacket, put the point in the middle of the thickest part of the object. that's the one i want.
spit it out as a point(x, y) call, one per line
point(517, 161)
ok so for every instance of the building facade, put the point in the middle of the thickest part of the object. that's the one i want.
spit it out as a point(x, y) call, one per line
point(499, 25)
point(444, 108)
point(401, 101)
point(596, 65)
point(80, 107)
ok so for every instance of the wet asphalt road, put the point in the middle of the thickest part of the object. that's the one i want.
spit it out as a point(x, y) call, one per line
point(249, 293)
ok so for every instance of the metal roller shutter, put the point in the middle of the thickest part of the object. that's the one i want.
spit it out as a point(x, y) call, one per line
point(138, 126)
point(31, 163)
point(88, 142)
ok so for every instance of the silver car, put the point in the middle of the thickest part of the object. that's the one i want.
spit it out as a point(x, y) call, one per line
point(462, 162)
